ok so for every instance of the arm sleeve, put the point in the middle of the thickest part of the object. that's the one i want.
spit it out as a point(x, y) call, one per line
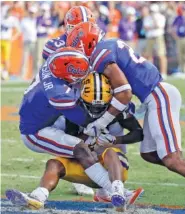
point(135, 134)
point(59, 94)
point(100, 59)
point(132, 137)
point(48, 49)
point(51, 46)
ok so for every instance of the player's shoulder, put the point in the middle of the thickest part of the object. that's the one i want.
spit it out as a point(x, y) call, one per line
point(104, 53)
point(54, 44)
point(106, 42)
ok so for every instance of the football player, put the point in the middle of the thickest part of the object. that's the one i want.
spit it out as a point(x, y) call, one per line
point(54, 92)
point(131, 74)
point(74, 16)
point(95, 97)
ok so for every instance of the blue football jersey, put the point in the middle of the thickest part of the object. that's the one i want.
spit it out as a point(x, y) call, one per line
point(142, 75)
point(53, 44)
point(46, 99)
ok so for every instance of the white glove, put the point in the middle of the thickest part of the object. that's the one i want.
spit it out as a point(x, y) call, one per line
point(103, 139)
point(97, 127)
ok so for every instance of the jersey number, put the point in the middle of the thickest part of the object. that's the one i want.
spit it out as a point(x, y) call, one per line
point(121, 45)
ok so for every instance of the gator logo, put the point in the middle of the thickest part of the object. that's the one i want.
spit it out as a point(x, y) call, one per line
point(77, 39)
point(75, 71)
point(70, 17)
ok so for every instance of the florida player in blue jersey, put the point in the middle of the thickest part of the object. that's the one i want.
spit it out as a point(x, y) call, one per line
point(55, 92)
point(95, 100)
point(131, 74)
point(74, 16)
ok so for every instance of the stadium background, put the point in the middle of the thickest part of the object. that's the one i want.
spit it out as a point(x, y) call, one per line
point(109, 15)
point(22, 168)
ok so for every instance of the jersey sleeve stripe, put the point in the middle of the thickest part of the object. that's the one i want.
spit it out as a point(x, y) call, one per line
point(101, 59)
point(98, 57)
point(95, 55)
point(61, 101)
point(46, 53)
point(48, 50)
point(55, 104)
point(52, 48)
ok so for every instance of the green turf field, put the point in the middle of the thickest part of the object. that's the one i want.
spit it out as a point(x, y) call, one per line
point(21, 168)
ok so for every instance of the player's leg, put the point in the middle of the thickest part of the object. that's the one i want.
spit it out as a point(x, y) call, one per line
point(80, 189)
point(54, 171)
point(164, 125)
point(114, 167)
point(55, 142)
point(116, 163)
point(148, 148)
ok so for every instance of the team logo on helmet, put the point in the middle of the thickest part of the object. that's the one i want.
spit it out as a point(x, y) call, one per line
point(72, 70)
point(77, 39)
point(70, 17)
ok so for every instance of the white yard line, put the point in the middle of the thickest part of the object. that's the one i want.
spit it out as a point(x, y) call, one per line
point(129, 182)
point(27, 160)
point(21, 176)
point(23, 159)
point(8, 141)
point(12, 89)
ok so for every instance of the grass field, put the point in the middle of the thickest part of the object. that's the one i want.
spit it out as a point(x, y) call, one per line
point(21, 168)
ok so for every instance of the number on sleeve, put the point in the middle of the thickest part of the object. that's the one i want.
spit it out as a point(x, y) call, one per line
point(58, 43)
point(122, 44)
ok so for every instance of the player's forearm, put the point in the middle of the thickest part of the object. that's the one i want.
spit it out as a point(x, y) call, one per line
point(119, 102)
point(132, 137)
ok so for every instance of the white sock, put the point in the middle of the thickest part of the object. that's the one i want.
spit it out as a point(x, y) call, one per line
point(118, 186)
point(99, 175)
point(40, 194)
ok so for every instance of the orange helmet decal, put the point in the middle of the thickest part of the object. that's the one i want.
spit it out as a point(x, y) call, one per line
point(69, 64)
point(77, 15)
point(85, 36)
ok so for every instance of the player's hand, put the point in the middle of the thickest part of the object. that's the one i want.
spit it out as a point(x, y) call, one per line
point(105, 139)
point(98, 126)
point(95, 129)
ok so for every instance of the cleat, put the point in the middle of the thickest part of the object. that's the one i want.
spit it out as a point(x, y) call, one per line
point(118, 200)
point(132, 196)
point(102, 195)
point(83, 189)
point(23, 200)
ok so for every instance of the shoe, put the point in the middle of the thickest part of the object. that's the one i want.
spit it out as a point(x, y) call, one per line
point(82, 189)
point(132, 196)
point(22, 199)
point(118, 199)
point(102, 195)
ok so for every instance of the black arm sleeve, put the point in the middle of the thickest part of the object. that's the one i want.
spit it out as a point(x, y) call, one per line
point(135, 134)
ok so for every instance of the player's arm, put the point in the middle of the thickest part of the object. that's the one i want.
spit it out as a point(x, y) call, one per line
point(136, 132)
point(121, 89)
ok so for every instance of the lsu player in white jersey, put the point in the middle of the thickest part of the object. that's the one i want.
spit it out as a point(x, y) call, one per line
point(96, 94)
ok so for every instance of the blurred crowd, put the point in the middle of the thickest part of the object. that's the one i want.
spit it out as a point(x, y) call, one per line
point(155, 30)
